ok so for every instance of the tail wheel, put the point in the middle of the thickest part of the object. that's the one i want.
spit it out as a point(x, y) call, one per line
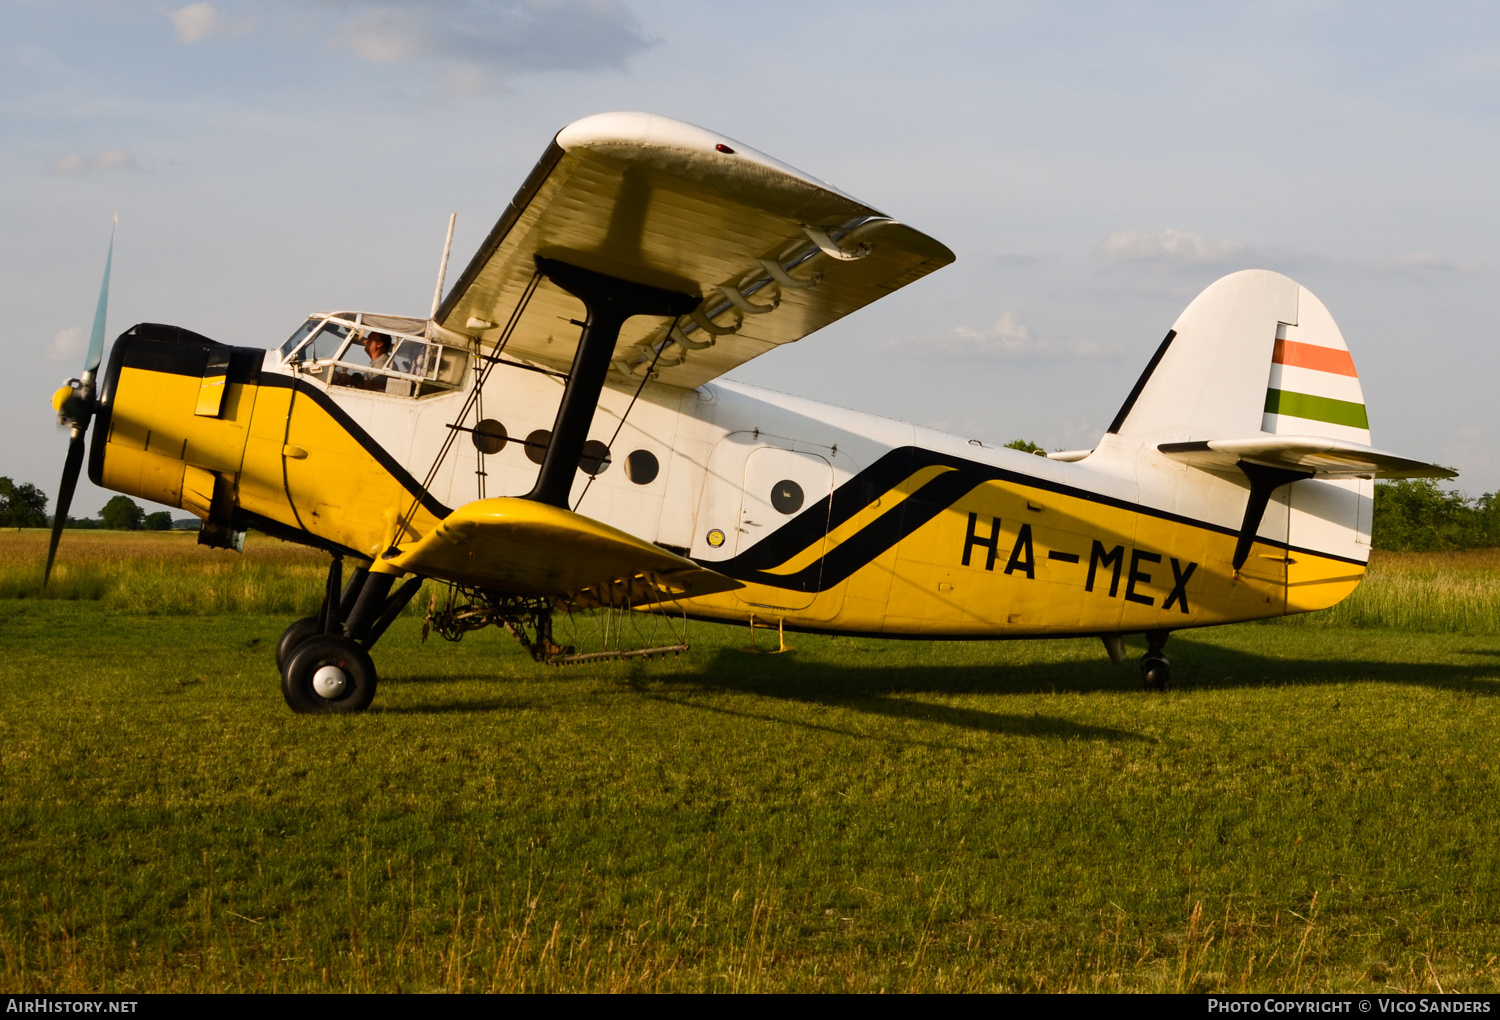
point(292, 638)
point(328, 674)
point(1156, 672)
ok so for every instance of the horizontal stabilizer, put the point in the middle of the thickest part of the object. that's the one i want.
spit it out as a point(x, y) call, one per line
point(1319, 456)
point(521, 547)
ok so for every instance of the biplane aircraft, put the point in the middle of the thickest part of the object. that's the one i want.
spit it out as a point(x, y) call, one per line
point(555, 436)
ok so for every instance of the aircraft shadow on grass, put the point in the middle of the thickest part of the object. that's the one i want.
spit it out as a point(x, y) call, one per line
point(886, 691)
point(895, 692)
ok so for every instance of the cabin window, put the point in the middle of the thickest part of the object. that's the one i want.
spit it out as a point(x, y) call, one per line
point(641, 467)
point(786, 496)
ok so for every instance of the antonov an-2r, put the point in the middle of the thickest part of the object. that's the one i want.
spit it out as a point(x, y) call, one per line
point(553, 438)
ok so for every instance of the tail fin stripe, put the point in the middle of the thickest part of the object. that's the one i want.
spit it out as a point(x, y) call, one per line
point(1326, 409)
point(1321, 359)
point(1318, 384)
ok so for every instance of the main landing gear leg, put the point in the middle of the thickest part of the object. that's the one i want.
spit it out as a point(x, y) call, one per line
point(324, 660)
point(1156, 668)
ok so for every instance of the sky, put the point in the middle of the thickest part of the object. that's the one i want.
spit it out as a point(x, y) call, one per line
point(1093, 166)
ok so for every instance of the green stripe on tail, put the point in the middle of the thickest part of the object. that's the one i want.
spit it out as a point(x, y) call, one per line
point(1305, 405)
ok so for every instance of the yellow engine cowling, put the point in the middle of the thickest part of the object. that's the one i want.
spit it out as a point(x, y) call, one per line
point(192, 423)
point(175, 413)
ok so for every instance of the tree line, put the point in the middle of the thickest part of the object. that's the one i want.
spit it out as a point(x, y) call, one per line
point(25, 506)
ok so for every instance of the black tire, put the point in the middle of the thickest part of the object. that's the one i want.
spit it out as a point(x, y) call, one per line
point(1156, 672)
point(293, 637)
point(313, 655)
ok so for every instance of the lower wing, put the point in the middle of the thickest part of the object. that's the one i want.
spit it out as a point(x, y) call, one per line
point(521, 547)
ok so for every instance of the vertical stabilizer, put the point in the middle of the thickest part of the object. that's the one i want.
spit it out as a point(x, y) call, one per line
point(1209, 379)
point(1256, 355)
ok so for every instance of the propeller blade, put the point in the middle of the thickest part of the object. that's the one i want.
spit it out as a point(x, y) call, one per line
point(81, 411)
point(96, 339)
point(71, 467)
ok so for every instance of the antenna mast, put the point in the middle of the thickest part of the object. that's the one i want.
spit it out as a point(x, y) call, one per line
point(437, 293)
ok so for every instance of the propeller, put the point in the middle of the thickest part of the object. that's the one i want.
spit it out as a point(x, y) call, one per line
point(75, 403)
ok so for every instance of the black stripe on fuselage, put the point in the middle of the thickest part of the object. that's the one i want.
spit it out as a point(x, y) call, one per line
point(937, 495)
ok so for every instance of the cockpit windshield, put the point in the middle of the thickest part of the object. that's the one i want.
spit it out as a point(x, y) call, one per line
point(373, 353)
point(295, 340)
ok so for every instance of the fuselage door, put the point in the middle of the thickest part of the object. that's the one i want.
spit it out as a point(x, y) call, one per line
point(784, 514)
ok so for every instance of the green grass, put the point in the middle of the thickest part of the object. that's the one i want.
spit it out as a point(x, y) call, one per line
point(1306, 811)
point(1441, 592)
point(1310, 808)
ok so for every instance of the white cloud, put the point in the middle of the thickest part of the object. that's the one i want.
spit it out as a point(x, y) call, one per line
point(67, 345)
point(1422, 261)
point(479, 40)
point(1009, 339)
point(387, 36)
point(197, 22)
point(473, 43)
point(77, 163)
point(1170, 245)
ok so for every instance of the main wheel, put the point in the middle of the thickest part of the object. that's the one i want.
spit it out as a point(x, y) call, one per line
point(328, 674)
point(292, 637)
point(1156, 672)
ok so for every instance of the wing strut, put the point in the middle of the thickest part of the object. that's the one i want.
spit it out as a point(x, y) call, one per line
point(608, 301)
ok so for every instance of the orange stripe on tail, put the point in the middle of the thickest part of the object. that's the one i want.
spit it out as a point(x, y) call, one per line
point(1320, 359)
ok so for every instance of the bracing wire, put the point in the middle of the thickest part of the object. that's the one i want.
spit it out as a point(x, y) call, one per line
point(473, 398)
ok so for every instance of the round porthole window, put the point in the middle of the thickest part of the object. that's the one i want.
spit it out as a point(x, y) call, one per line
point(595, 458)
point(786, 496)
point(536, 445)
point(489, 436)
point(642, 467)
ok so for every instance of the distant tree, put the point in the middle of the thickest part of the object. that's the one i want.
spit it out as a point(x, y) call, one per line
point(159, 521)
point(83, 524)
point(1026, 446)
point(1418, 516)
point(122, 513)
point(22, 506)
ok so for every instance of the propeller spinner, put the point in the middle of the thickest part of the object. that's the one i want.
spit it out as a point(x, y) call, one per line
point(75, 403)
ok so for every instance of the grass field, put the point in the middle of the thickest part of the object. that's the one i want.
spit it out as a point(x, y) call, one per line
point(1312, 807)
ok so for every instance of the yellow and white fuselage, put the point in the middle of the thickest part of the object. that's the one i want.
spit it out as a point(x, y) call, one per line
point(831, 519)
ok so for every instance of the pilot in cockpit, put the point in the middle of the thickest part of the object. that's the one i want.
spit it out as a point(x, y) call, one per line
point(378, 349)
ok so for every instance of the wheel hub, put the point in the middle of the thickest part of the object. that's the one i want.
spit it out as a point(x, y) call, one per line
point(330, 682)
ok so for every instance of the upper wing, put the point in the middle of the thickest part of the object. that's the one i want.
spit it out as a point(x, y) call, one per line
point(522, 547)
point(1323, 457)
point(774, 254)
